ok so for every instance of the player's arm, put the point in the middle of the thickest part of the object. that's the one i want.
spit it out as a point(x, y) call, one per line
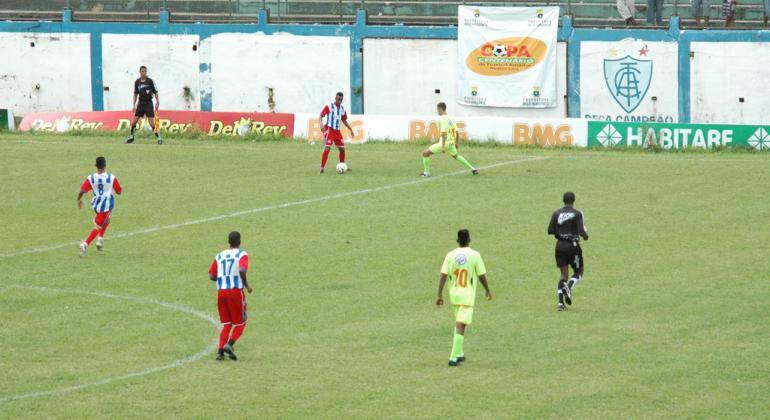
point(440, 294)
point(243, 266)
point(86, 187)
point(552, 225)
point(155, 92)
point(321, 118)
point(582, 227)
point(213, 271)
point(116, 187)
point(133, 107)
point(483, 280)
point(345, 121)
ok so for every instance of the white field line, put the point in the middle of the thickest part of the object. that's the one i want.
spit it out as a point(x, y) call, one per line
point(268, 208)
point(209, 350)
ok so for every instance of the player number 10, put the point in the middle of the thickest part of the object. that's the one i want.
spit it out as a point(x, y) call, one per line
point(461, 275)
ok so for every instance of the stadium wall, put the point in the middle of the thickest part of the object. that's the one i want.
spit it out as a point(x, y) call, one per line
point(704, 76)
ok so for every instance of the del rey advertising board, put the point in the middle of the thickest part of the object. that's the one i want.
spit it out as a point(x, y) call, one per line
point(212, 123)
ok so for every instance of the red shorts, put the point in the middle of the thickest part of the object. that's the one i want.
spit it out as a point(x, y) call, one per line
point(232, 306)
point(101, 219)
point(333, 136)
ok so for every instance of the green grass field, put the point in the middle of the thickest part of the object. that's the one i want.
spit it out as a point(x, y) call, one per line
point(670, 321)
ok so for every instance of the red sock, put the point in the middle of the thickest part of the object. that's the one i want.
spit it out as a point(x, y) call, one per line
point(342, 155)
point(92, 235)
point(324, 158)
point(237, 331)
point(104, 229)
point(224, 335)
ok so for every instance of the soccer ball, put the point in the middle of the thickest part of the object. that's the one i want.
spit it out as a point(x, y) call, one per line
point(341, 168)
point(499, 50)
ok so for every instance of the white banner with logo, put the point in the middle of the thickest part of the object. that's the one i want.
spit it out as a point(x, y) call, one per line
point(507, 56)
point(545, 132)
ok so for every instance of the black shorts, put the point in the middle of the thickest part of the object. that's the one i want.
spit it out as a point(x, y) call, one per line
point(145, 110)
point(569, 253)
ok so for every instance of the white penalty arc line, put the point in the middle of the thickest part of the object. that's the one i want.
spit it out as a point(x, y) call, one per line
point(176, 363)
point(273, 207)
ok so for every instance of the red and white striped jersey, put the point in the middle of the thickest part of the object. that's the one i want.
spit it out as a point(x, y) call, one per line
point(227, 267)
point(103, 185)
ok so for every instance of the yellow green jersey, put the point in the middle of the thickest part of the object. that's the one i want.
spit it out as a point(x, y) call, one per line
point(463, 266)
point(447, 124)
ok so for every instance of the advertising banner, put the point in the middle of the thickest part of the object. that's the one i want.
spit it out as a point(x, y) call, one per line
point(631, 80)
point(677, 136)
point(507, 56)
point(517, 131)
point(211, 123)
point(6, 120)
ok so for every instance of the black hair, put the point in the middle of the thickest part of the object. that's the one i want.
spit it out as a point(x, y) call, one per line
point(234, 238)
point(569, 197)
point(441, 106)
point(101, 162)
point(339, 94)
point(463, 237)
point(142, 67)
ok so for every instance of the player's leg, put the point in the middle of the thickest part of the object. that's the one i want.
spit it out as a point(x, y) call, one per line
point(577, 269)
point(327, 146)
point(237, 306)
point(463, 317)
point(91, 236)
point(432, 150)
point(452, 150)
point(137, 115)
point(225, 319)
point(102, 220)
point(341, 148)
point(150, 112)
point(562, 261)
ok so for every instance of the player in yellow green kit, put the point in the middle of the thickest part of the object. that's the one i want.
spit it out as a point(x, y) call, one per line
point(448, 142)
point(465, 269)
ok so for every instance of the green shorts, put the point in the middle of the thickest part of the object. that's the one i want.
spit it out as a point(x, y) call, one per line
point(449, 147)
point(463, 314)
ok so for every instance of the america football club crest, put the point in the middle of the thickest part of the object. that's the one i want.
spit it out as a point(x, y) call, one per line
point(628, 80)
point(539, 13)
point(476, 13)
point(474, 91)
point(461, 259)
point(536, 91)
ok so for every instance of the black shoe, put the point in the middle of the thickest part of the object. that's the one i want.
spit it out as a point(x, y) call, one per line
point(160, 140)
point(454, 363)
point(475, 171)
point(220, 355)
point(561, 307)
point(321, 171)
point(567, 292)
point(460, 359)
point(230, 353)
point(129, 140)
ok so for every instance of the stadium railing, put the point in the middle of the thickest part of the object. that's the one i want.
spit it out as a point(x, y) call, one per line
point(602, 13)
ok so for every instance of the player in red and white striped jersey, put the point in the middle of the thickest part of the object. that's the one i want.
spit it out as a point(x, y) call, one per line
point(103, 184)
point(331, 119)
point(229, 271)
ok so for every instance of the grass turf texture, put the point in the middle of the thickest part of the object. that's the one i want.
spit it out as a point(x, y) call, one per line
point(670, 319)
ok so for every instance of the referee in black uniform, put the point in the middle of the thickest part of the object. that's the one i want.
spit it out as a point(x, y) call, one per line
point(568, 227)
point(144, 89)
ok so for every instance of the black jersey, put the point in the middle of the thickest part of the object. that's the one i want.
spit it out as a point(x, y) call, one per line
point(145, 89)
point(567, 224)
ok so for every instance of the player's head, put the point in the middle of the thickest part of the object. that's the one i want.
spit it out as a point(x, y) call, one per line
point(569, 198)
point(463, 237)
point(234, 238)
point(338, 98)
point(101, 162)
point(143, 70)
point(441, 108)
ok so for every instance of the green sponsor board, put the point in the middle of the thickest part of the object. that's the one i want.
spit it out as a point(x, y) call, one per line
point(6, 120)
point(677, 136)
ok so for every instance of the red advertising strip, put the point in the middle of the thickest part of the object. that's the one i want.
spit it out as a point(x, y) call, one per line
point(212, 123)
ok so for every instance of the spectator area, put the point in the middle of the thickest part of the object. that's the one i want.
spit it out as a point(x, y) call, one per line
point(600, 13)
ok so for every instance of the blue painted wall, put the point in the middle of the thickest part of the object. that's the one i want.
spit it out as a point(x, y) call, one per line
point(360, 30)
